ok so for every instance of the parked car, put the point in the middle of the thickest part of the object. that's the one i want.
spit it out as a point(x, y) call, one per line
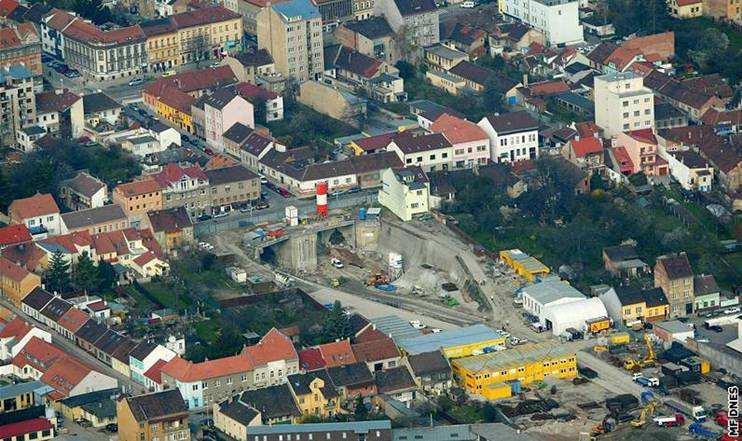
point(336, 263)
point(262, 205)
point(112, 427)
point(417, 324)
point(136, 82)
point(203, 218)
point(168, 73)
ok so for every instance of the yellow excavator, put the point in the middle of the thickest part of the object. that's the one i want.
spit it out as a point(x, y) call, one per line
point(632, 365)
point(646, 413)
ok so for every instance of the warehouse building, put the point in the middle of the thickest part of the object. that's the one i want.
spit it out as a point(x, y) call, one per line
point(539, 296)
point(560, 316)
point(499, 374)
point(524, 265)
point(454, 343)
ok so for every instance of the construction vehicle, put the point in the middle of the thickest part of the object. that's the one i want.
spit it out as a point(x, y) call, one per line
point(698, 413)
point(377, 279)
point(699, 431)
point(633, 365)
point(600, 348)
point(676, 420)
point(621, 338)
point(605, 426)
point(646, 412)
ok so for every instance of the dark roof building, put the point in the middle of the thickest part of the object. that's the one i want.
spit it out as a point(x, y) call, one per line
point(273, 402)
point(356, 374)
point(300, 383)
point(55, 309)
point(37, 299)
point(83, 219)
point(676, 266)
point(371, 28)
point(512, 122)
point(91, 331)
point(228, 175)
point(238, 411)
point(170, 220)
point(157, 406)
point(394, 380)
point(98, 102)
point(428, 363)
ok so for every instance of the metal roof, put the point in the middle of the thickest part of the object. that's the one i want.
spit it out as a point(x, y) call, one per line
point(551, 290)
point(13, 390)
point(395, 327)
point(449, 338)
point(515, 357)
point(356, 426)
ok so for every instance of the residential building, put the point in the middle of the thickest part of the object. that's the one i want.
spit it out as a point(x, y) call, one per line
point(291, 31)
point(690, 169)
point(148, 417)
point(137, 198)
point(723, 10)
point(443, 57)
point(96, 220)
point(222, 109)
point(99, 54)
point(623, 261)
point(186, 187)
point(428, 151)
point(38, 429)
point(99, 107)
point(142, 146)
point(334, 12)
point(379, 80)
point(674, 275)
point(60, 111)
point(405, 192)
point(250, 146)
point(706, 293)
point(353, 380)
point(172, 228)
point(337, 353)
point(488, 375)
point(686, 95)
point(379, 354)
point(586, 153)
point(83, 191)
point(371, 36)
point(351, 431)
point(233, 417)
point(27, 137)
point(14, 336)
point(632, 306)
point(97, 407)
point(685, 8)
point(417, 20)
point(623, 103)
point(257, 95)
point(17, 102)
point(513, 136)
point(471, 144)
point(39, 213)
point(20, 44)
point(642, 147)
point(315, 394)
point(667, 116)
point(251, 64)
point(397, 383)
point(21, 396)
point(558, 20)
point(431, 371)
point(13, 235)
point(234, 185)
point(454, 343)
point(144, 357)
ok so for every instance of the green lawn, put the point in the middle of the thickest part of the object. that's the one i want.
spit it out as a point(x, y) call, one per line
point(207, 330)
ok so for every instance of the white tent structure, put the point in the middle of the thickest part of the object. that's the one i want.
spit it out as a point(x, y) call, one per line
point(574, 314)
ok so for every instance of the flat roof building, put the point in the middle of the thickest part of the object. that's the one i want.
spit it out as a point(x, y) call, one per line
point(455, 343)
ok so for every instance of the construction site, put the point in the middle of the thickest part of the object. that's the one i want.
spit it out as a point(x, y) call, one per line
point(626, 386)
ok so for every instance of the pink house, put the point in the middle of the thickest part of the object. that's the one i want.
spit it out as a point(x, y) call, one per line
point(641, 146)
point(222, 110)
point(471, 145)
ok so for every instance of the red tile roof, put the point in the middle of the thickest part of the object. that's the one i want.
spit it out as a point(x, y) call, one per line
point(247, 91)
point(16, 328)
point(273, 346)
point(337, 353)
point(624, 160)
point(145, 258)
point(373, 143)
point(203, 16)
point(7, 7)
point(27, 255)
point(369, 334)
point(310, 359)
point(187, 371)
point(376, 350)
point(174, 172)
point(546, 88)
point(55, 101)
point(155, 372)
point(587, 128)
point(73, 319)
point(688, 2)
point(13, 234)
point(137, 188)
point(98, 306)
point(21, 428)
point(38, 354)
point(586, 146)
point(458, 130)
point(194, 80)
point(64, 374)
point(643, 135)
point(12, 271)
point(8, 38)
point(34, 206)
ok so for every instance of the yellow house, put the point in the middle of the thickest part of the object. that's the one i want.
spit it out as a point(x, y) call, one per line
point(631, 306)
point(486, 374)
point(162, 47)
point(685, 8)
point(170, 103)
point(315, 394)
point(455, 343)
point(15, 281)
point(524, 265)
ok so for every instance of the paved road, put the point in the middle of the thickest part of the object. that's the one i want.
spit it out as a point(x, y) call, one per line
point(70, 348)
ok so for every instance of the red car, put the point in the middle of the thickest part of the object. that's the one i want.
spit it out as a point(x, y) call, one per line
point(283, 192)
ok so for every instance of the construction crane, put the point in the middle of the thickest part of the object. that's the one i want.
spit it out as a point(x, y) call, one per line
point(646, 414)
point(630, 364)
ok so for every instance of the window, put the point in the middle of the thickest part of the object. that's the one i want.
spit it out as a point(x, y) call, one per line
point(625, 104)
point(626, 114)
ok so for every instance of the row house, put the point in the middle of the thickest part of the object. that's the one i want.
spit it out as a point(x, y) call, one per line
point(98, 54)
point(153, 416)
point(692, 100)
point(258, 95)
point(256, 66)
point(643, 149)
point(513, 136)
point(186, 37)
point(144, 356)
point(15, 334)
point(246, 144)
point(471, 145)
point(83, 191)
point(39, 213)
point(222, 109)
point(268, 363)
point(690, 169)
point(586, 153)
point(674, 275)
point(137, 198)
point(429, 151)
point(102, 219)
point(232, 185)
point(630, 306)
point(172, 229)
point(186, 187)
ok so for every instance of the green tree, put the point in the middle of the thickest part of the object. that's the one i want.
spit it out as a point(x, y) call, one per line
point(361, 411)
point(86, 274)
point(337, 326)
point(58, 275)
point(107, 277)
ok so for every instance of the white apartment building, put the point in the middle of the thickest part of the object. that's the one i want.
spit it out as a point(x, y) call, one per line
point(622, 103)
point(513, 136)
point(222, 110)
point(405, 192)
point(430, 151)
point(291, 31)
point(558, 20)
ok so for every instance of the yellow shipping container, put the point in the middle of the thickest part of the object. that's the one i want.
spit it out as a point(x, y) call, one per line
point(705, 366)
point(622, 338)
point(467, 350)
point(497, 391)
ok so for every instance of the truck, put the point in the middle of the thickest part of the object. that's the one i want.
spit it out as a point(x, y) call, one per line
point(696, 412)
point(670, 421)
point(698, 430)
point(647, 382)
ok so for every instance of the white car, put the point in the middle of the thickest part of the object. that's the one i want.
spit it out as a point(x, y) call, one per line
point(436, 330)
point(336, 263)
point(468, 4)
point(136, 82)
point(417, 324)
point(734, 310)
